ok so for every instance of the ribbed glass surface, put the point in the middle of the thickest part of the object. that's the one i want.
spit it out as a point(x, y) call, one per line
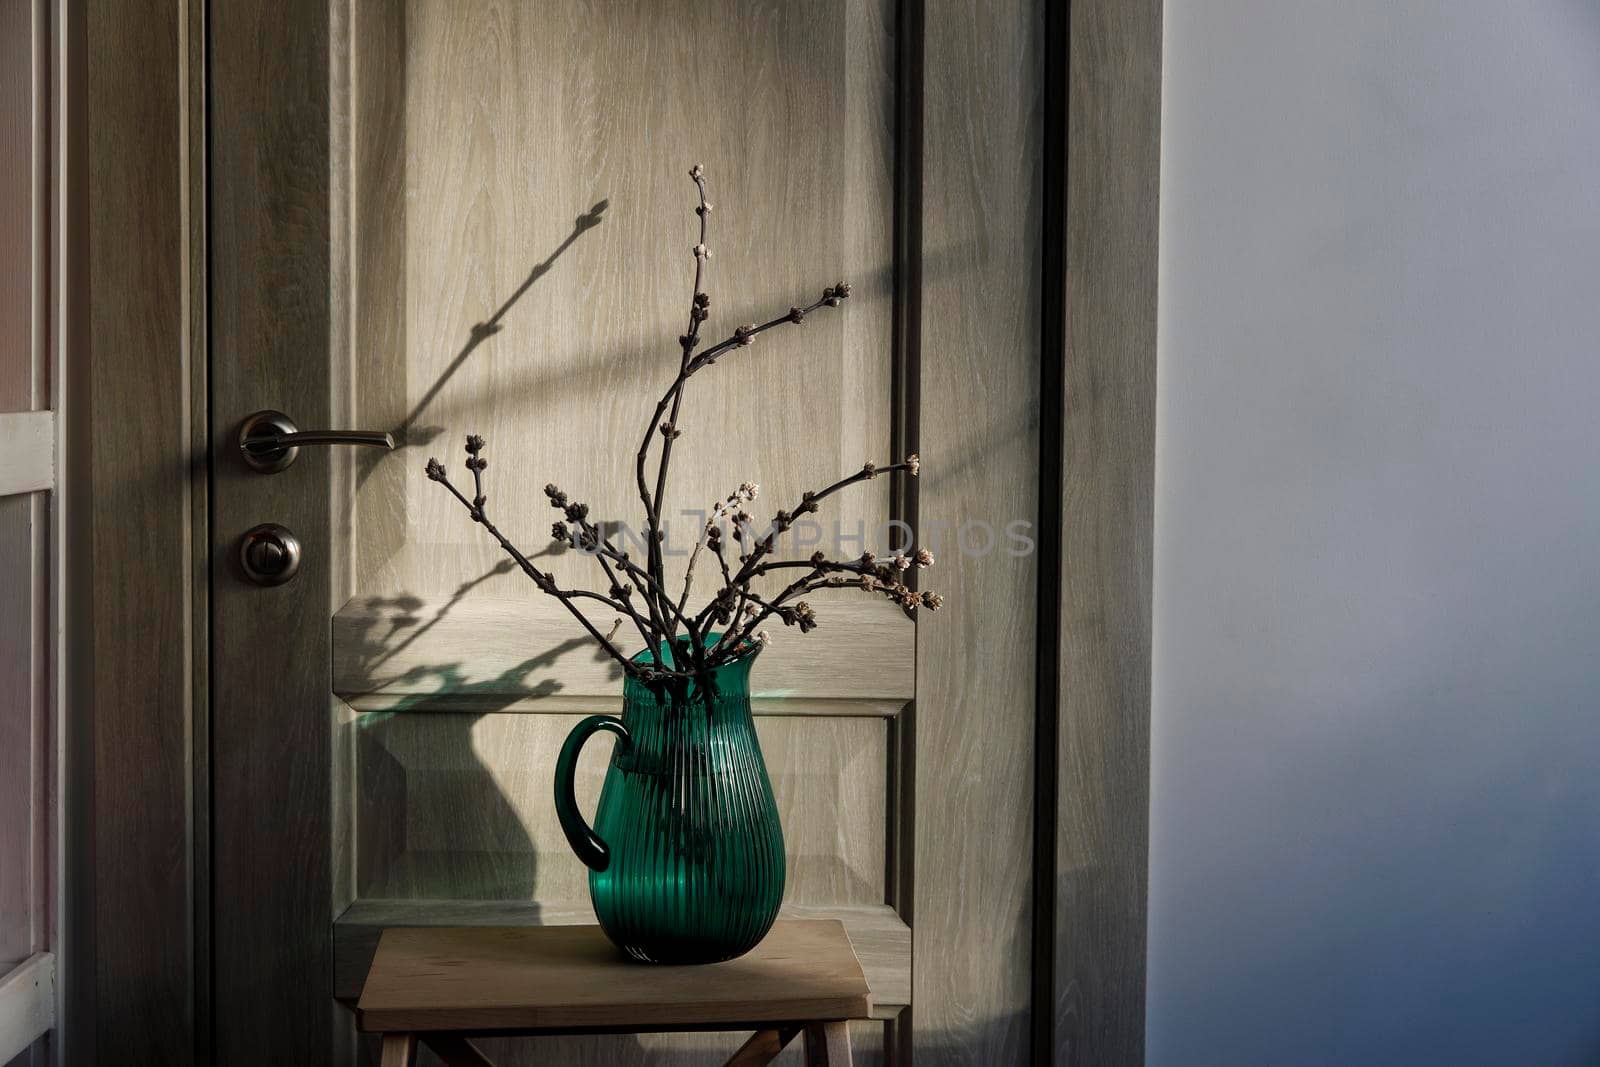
point(697, 869)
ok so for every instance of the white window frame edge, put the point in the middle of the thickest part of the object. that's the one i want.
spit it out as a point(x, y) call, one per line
point(28, 443)
point(27, 1004)
point(28, 447)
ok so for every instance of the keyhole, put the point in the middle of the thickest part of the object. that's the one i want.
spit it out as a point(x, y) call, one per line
point(268, 557)
point(269, 554)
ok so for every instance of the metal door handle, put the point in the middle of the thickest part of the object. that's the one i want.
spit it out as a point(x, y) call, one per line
point(269, 440)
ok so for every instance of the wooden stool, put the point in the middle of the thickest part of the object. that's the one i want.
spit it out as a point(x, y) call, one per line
point(442, 985)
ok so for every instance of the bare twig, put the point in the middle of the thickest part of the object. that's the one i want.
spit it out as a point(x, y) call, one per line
point(660, 618)
point(547, 584)
point(783, 520)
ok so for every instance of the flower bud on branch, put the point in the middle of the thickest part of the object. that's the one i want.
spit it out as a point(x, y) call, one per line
point(663, 619)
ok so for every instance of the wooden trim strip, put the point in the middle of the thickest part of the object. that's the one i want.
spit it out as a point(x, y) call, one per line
point(573, 704)
point(1108, 484)
point(27, 452)
point(901, 779)
point(72, 529)
point(907, 384)
point(27, 1004)
point(136, 500)
point(1047, 621)
point(527, 655)
point(195, 266)
point(974, 713)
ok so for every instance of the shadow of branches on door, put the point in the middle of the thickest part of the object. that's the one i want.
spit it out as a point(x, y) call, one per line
point(408, 434)
point(434, 818)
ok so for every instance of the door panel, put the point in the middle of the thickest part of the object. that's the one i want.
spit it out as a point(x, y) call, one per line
point(518, 265)
point(440, 218)
point(458, 806)
point(480, 132)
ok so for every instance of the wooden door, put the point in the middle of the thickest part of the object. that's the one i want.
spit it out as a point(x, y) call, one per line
point(442, 217)
point(503, 247)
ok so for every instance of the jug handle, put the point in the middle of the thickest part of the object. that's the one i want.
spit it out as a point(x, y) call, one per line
point(580, 835)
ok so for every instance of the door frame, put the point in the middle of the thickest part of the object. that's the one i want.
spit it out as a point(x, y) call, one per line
point(136, 781)
point(134, 596)
point(1098, 498)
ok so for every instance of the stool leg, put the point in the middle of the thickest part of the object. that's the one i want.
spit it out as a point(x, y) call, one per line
point(399, 1050)
point(456, 1051)
point(763, 1047)
point(828, 1044)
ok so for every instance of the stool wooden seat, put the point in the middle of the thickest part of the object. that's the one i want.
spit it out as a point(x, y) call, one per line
point(443, 985)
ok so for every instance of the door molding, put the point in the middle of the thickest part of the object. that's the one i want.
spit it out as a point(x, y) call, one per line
point(1100, 390)
point(978, 365)
point(133, 618)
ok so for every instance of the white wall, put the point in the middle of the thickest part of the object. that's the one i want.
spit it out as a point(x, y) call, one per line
point(1376, 771)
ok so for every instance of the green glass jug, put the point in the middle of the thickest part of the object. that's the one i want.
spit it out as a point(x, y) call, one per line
point(686, 857)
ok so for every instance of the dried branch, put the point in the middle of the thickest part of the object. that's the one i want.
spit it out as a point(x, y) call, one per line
point(710, 530)
point(659, 617)
point(547, 584)
point(664, 420)
point(809, 501)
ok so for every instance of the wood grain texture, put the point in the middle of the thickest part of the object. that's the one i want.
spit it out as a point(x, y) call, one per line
point(473, 979)
point(140, 511)
point(367, 231)
point(519, 117)
point(974, 712)
point(193, 199)
point(910, 75)
point(458, 806)
point(827, 1045)
point(1107, 486)
point(369, 248)
point(346, 110)
point(271, 767)
point(399, 1050)
point(473, 653)
point(882, 942)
